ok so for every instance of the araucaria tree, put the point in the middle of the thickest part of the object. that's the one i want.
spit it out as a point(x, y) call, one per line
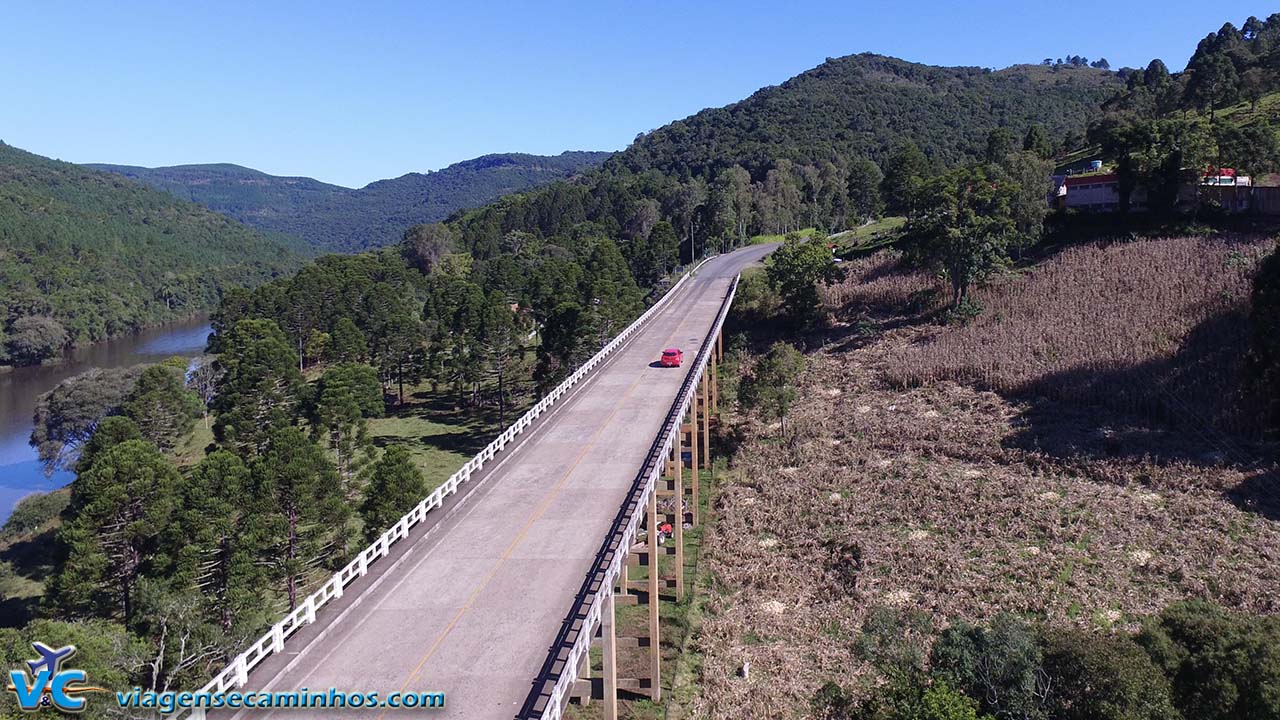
point(259, 387)
point(395, 486)
point(304, 508)
point(120, 510)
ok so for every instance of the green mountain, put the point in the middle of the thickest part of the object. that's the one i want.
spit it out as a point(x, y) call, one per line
point(335, 218)
point(102, 255)
point(863, 105)
point(807, 153)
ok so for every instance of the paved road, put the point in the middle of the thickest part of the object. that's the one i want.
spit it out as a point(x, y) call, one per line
point(471, 606)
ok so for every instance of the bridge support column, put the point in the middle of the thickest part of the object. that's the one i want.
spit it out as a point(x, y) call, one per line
point(609, 638)
point(693, 458)
point(677, 527)
point(655, 597)
point(705, 427)
point(715, 387)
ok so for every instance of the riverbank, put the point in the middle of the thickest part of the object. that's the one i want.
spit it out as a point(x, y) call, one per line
point(21, 473)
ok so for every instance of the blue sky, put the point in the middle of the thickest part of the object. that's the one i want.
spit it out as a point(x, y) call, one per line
point(353, 92)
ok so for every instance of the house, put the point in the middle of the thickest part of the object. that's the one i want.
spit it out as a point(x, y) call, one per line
point(1098, 192)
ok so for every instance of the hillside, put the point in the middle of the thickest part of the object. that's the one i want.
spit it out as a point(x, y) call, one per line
point(861, 105)
point(811, 152)
point(331, 217)
point(1081, 455)
point(103, 256)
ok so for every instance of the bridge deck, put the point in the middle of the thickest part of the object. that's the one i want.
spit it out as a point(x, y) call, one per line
point(472, 604)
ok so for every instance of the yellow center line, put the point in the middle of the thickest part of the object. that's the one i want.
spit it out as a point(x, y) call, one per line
point(506, 554)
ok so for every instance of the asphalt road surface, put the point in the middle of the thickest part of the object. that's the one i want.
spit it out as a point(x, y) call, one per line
point(471, 603)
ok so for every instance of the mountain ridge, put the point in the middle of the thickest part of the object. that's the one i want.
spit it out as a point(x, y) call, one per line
point(337, 218)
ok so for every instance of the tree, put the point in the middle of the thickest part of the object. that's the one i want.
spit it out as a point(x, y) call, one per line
point(964, 228)
point(1000, 143)
point(185, 646)
point(904, 176)
point(1000, 666)
point(346, 342)
point(121, 508)
point(110, 432)
point(395, 486)
point(1213, 82)
point(203, 381)
point(1037, 141)
point(1222, 665)
point(794, 271)
point(1030, 176)
point(223, 541)
point(1264, 340)
point(347, 394)
point(865, 180)
point(162, 406)
point(423, 246)
point(733, 187)
point(35, 338)
point(562, 338)
point(770, 388)
point(67, 415)
point(304, 509)
point(259, 387)
point(501, 335)
point(1104, 677)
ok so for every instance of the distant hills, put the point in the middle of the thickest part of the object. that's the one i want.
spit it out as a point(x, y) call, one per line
point(334, 218)
point(102, 255)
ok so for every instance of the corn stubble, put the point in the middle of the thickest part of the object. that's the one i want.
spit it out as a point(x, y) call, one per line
point(1024, 462)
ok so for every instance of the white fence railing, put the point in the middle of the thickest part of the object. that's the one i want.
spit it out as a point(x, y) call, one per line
point(236, 674)
point(608, 575)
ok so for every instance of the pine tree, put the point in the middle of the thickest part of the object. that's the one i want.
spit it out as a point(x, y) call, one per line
point(304, 508)
point(395, 486)
point(120, 510)
point(259, 386)
point(222, 542)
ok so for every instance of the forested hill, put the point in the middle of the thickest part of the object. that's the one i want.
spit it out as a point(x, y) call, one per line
point(86, 255)
point(862, 105)
point(334, 218)
point(821, 150)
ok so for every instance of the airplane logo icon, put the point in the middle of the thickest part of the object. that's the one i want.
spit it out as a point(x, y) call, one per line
point(50, 659)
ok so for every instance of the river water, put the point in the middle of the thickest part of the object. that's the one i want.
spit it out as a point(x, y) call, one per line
point(20, 471)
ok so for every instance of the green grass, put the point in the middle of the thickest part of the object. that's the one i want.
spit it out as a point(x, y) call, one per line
point(869, 237)
point(439, 437)
point(765, 239)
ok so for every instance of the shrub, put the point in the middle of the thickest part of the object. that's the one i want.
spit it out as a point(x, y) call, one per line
point(1104, 677)
point(34, 512)
point(1221, 665)
point(999, 665)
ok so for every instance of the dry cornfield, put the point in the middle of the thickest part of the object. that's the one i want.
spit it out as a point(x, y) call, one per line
point(953, 499)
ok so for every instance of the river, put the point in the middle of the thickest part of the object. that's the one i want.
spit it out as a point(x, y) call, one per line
point(20, 471)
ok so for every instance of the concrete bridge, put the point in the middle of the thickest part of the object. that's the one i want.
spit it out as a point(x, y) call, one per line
point(492, 589)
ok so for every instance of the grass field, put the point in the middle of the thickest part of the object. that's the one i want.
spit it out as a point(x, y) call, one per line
point(440, 438)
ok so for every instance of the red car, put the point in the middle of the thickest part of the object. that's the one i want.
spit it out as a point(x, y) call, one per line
point(672, 357)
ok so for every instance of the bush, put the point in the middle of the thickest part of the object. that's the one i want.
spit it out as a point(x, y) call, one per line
point(1221, 665)
point(1104, 677)
point(999, 665)
point(34, 512)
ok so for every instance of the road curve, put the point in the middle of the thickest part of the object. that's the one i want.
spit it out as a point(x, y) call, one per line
point(472, 603)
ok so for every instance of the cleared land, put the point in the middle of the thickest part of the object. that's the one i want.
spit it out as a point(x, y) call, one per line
point(1032, 461)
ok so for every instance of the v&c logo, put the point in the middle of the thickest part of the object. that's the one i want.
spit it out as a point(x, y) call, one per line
point(48, 685)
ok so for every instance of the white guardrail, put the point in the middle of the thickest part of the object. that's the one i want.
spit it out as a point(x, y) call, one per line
point(236, 675)
point(559, 697)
